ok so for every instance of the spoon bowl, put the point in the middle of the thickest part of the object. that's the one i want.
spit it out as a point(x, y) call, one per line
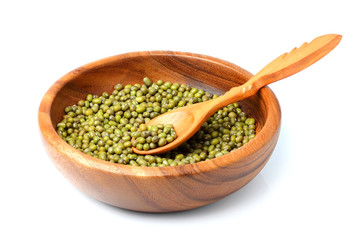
point(159, 189)
point(186, 125)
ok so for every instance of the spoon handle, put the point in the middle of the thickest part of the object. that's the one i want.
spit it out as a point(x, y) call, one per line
point(282, 67)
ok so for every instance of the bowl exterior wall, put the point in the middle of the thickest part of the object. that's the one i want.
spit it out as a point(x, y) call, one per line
point(161, 193)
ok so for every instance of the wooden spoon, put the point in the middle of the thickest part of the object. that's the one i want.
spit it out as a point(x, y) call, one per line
point(188, 120)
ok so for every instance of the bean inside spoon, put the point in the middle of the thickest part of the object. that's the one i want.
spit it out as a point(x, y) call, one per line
point(188, 120)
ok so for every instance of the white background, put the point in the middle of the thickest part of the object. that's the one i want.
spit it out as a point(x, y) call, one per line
point(308, 190)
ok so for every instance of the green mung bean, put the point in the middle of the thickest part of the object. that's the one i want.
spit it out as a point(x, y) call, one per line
point(103, 125)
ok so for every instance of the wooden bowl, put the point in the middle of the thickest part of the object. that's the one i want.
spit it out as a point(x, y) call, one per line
point(159, 189)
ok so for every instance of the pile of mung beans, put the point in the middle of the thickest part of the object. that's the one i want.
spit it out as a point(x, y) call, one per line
point(103, 126)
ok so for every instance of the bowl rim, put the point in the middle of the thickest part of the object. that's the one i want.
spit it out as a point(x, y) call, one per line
point(54, 141)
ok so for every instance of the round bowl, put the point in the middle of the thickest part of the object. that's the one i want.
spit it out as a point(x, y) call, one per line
point(159, 189)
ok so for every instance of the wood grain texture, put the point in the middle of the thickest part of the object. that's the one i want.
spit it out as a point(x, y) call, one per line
point(159, 189)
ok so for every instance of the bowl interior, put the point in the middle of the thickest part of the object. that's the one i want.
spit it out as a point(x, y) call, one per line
point(204, 72)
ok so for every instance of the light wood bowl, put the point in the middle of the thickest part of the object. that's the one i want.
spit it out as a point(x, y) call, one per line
point(159, 189)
